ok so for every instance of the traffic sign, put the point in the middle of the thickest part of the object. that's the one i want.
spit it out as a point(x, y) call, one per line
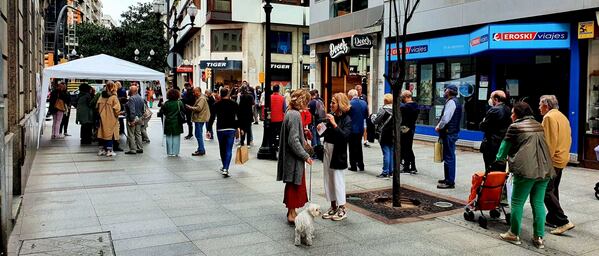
point(169, 60)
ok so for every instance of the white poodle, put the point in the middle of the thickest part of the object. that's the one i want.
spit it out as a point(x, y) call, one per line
point(304, 224)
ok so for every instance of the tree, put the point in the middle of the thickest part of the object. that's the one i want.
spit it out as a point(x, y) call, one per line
point(396, 79)
point(141, 29)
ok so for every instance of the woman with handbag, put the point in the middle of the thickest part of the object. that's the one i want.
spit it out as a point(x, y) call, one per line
point(336, 135)
point(108, 107)
point(59, 102)
point(532, 168)
point(227, 127)
point(293, 154)
point(383, 121)
point(174, 118)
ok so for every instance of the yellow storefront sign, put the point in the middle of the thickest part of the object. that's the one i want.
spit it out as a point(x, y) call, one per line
point(586, 30)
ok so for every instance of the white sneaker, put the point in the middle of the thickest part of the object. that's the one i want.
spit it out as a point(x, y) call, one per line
point(110, 153)
point(102, 152)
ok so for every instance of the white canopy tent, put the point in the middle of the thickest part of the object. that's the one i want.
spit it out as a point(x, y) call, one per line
point(97, 67)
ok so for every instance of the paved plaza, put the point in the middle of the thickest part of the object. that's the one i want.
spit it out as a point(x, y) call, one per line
point(154, 205)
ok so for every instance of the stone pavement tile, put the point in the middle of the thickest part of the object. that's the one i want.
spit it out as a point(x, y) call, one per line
point(153, 178)
point(340, 248)
point(140, 228)
point(507, 249)
point(119, 208)
point(114, 195)
point(250, 205)
point(45, 187)
point(260, 211)
point(38, 225)
point(368, 230)
point(591, 253)
point(267, 248)
point(203, 218)
point(53, 168)
point(214, 224)
point(579, 240)
point(110, 178)
point(35, 180)
point(406, 244)
point(180, 249)
point(228, 230)
point(186, 201)
point(130, 217)
point(436, 226)
point(61, 232)
point(149, 241)
point(208, 209)
point(463, 241)
point(231, 241)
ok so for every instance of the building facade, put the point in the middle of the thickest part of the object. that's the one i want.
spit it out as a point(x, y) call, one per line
point(228, 40)
point(22, 51)
point(108, 21)
point(527, 48)
point(346, 47)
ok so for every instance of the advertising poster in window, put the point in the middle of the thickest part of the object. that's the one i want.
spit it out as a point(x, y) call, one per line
point(412, 87)
point(512, 87)
point(456, 71)
point(426, 85)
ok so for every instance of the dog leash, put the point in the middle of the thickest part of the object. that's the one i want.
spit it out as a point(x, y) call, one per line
point(310, 195)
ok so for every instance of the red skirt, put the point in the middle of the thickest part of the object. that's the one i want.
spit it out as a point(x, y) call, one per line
point(296, 196)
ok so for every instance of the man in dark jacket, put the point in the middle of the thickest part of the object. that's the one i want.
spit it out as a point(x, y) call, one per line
point(358, 113)
point(494, 125)
point(409, 114)
point(135, 108)
point(85, 114)
point(188, 99)
point(448, 129)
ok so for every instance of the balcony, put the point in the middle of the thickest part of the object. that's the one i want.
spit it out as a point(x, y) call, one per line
point(218, 11)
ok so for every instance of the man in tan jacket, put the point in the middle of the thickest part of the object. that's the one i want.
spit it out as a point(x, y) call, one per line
point(558, 138)
point(200, 114)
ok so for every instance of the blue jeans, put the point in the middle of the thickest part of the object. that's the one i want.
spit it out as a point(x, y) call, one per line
point(173, 144)
point(387, 158)
point(315, 136)
point(449, 157)
point(225, 144)
point(105, 144)
point(199, 130)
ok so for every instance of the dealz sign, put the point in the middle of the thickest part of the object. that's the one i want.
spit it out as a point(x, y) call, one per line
point(339, 49)
point(361, 41)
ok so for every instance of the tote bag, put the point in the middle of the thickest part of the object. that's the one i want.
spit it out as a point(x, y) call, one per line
point(242, 155)
point(438, 158)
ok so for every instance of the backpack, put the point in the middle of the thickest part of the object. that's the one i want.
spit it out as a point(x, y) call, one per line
point(320, 114)
point(382, 127)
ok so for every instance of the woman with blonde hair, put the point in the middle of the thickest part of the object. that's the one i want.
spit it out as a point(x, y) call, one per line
point(336, 135)
point(383, 121)
point(293, 155)
point(108, 107)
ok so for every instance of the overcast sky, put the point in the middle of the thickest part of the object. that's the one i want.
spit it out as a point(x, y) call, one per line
point(114, 8)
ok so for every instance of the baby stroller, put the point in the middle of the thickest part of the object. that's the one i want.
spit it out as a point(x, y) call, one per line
point(485, 195)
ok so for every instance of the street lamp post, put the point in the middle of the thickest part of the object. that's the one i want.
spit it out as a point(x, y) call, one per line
point(192, 11)
point(266, 150)
point(301, 72)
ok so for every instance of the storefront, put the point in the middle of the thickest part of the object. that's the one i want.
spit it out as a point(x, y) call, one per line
point(344, 63)
point(587, 33)
point(222, 72)
point(186, 73)
point(525, 60)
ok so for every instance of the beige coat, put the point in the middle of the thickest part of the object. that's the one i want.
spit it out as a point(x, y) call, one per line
point(201, 111)
point(109, 109)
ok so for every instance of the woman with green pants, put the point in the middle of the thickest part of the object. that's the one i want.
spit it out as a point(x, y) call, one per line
point(531, 166)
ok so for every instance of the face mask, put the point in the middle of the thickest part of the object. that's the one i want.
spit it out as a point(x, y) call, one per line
point(491, 102)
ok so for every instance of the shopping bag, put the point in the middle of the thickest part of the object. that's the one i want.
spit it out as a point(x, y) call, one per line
point(509, 188)
point(242, 155)
point(438, 152)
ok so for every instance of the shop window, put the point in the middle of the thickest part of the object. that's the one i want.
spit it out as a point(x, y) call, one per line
point(228, 40)
point(305, 45)
point(343, 7)
point(280, 42)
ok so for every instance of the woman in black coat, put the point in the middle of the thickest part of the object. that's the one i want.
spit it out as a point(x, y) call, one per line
point(338, 129)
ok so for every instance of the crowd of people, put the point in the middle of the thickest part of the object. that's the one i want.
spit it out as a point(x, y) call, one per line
point(536, 152)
